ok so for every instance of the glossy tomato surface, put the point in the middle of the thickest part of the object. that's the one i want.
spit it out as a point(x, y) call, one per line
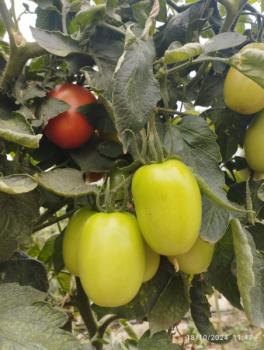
point(70, 129)
point(254, 144)
point(152, 263)
point(168, 206)
point(197, 259)
point(242, 94)
point(72, 237)
point(112, 258)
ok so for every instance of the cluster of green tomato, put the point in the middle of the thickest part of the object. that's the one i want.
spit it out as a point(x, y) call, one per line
point(114, 253)
point(244, 96)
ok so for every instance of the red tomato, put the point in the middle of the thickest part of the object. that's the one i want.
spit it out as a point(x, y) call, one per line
point(70, 129)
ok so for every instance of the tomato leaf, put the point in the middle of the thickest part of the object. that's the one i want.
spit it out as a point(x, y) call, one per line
point(25, 271)
point(72, 185)
point(172, 303)
point(200, 311)
point(159, 341)
point(250, 62)
point(224, 41)
point(215, 221)
point(195, 143)
point(24, 324)
point(17, 223)
point(55, 43)
point(50, 108)
point(15, 128)
point(250, 269)
point(136, 91)
point(17, 184)
point(221, 270)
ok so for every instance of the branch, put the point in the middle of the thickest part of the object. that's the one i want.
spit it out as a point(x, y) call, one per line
point(53, 221)
point(84, 308)
point(9, 24)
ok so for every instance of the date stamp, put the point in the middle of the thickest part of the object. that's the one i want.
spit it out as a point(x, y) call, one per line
point(219, 337)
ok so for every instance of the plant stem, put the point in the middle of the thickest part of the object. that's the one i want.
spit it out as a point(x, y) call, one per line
point(53, 221)
point(103, 327)
point(84, 307)
point(219, 320)
point(197, 61)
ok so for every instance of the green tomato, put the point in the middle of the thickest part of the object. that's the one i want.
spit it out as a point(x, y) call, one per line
point(196, 260)
point(152, 263)
point(254, 144)
point(72, 237)
point(112, 259)
point(168, 206)
point(242, 94)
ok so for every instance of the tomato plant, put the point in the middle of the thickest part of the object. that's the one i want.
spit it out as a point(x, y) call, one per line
point(70, 129)
point(128, 129)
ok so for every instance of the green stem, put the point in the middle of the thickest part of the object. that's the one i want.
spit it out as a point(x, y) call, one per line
point(103, 327)
point(84, 307)
point(197, 61)
point(53, 221)
point(218, 314)
point(171, 111)
point(233, 9)
point(249, 205)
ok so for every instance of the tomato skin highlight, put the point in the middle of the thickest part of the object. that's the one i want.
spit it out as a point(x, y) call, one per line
point(70, 129)
point(241, 94)
point(168, 206)
point(112, 258)
point(71, 240)
point(254, 144)
point(152, 263)
point(197, 259)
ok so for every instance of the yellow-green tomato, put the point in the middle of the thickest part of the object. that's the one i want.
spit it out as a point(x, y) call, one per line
point(242, 94)
point(197, 259)
point(168, 206)
point(72, 238)
point(112, 258)
point(152, 263)
point(254, 144)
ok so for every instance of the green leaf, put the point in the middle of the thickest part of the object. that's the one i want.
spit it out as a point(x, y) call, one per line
point(220, 271)
point(51, 253)
point(250, 62)
point(67, 182)
point(195, 143)
point(27, 326)
point(15, 128)
point(215, 221)
point(250, 272)
point(87, 16)
point(224, 41)
point(89, 159)
point(17, 184)
point(159, 341)
point(50, 108)
point(172, 304)
point(257, 233)
point(183, 53)
point(26, 272)
point(17, 222)
point(200, 311)
point(136, 91)
point(55, 43)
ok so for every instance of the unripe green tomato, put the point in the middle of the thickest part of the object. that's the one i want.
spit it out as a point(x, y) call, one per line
point(197, 259)
point(152, 263)
point(254, 144)
point(168, 206)
point(72, 238)
point(112, 258)
point(242, 94)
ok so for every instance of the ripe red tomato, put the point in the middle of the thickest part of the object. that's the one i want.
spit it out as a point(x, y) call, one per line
point(70, 129)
